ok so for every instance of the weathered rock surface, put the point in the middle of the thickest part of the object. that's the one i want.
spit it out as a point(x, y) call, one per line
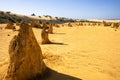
point(10, 25)
point(50, 29)
point(70, 25)
point(44, 35)
point(26, 62)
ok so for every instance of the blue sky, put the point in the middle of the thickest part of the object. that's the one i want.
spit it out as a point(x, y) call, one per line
point(83, 9)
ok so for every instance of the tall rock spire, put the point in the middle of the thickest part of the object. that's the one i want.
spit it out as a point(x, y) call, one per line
point(26, 60)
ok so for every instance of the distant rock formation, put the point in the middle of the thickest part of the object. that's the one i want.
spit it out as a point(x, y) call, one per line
point(10, 25)
point(106, 24)
point(56, 25)
point(70, 25)
point(26, 61)
point(35, 24)
point(44, 35)
point(50, 29)
point(115, 25)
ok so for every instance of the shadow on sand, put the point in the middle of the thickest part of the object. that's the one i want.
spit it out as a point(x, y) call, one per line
point(53, 75)
point(54, 43)
point(57, 43)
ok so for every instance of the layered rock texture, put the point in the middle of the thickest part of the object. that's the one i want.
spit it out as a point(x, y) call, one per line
point(26, 62)
point(44, 35)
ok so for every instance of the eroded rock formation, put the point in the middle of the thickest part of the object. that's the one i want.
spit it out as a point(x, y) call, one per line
point(35, 24)
point(44, 35)
point(26, 62)
point(70, 25)
point(50, 29)
point(10, 25)
point(115, 25)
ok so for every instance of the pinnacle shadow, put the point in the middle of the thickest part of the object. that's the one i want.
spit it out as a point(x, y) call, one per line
point(54, 75)
point(55, 43)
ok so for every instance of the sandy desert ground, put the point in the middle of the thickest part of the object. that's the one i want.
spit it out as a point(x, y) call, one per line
point(79, 52)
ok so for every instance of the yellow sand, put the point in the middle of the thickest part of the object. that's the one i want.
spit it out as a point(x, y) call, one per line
point(82, 52)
